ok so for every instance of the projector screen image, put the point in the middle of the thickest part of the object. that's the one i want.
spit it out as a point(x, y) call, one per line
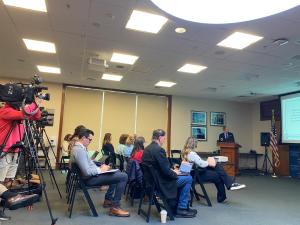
point(290, 118)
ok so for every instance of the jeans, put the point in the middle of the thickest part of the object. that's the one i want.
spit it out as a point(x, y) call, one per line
point(184, 184)
point(117, 183)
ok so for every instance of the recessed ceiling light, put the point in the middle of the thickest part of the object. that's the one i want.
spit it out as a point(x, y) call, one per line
point(226, 11)
point(40, 46)
point(145, 22)
point(165, 84)
point(191, 68)
point(239, 40)
point(180, 30)
point(112, 77)
point(48, 69)
point(37, 5)
point(123, 58)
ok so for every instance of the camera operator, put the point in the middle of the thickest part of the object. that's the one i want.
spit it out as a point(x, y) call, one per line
point(10, 113)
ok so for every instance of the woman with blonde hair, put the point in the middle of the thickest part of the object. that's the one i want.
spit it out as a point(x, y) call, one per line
point(212, 172)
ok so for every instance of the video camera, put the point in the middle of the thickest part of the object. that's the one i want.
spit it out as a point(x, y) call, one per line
point(19, 92)
point(46, 119)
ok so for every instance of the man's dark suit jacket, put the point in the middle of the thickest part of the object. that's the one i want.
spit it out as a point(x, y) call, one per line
point(230, 137)
point(156, 156)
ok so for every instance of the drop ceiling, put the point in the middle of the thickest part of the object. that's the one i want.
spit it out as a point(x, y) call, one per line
point(96, 28)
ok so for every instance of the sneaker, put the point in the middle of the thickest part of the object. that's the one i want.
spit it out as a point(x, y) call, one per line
point(3, 217)
point(237, 186)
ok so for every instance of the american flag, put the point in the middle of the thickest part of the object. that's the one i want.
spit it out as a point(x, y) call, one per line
point(273, 142)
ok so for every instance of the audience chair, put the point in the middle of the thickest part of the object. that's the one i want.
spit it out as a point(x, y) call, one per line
point(78, 183)
point(196, 180)
point(176, 152)
point(135, 180)
point(121, 160)
point(150, 189)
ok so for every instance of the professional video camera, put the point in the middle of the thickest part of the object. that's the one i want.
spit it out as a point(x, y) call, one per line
point(20, 92)
point(46, 118)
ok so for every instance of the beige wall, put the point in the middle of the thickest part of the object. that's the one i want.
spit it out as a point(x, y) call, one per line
point(238, 116)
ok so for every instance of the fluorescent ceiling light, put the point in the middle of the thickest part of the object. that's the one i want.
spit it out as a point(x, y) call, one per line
point(225, 11)
point(37, 5)
point(48, 69)
point(40, 46)
point(191, 68)
point(146, 22)
point(239, 40)
point(122, 58)
point(165, 84)
point(112, 77)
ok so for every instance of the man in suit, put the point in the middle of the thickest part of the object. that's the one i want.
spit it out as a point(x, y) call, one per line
point(170, 181)
point(226, 136)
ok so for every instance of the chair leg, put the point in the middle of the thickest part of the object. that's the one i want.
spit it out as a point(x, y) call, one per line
point(205, 194)
point(72, 199)
point(90, 202)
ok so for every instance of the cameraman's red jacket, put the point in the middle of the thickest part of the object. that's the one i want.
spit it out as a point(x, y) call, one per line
point(7, 116)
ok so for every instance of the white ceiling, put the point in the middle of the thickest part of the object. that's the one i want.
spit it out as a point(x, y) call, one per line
point(85, 28)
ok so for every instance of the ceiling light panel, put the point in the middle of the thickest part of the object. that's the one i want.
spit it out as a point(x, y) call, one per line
point(37, 5)
point(165, 84)
point(239, 40)
point(40, 46)
point(145, 22)
point(48, 69)
point(191, 68)
point(112, 77)
point(123, 58)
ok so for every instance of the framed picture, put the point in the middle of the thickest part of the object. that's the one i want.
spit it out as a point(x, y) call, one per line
point(199, 133)
point(217, 118)
point(198, 118)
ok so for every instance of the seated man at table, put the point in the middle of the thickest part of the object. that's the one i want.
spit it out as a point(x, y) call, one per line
point(94, 175)
point(210, 170)
point(170, 183)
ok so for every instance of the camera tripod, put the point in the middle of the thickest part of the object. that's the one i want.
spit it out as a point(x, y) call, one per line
point(265, 162)
point(28, 147)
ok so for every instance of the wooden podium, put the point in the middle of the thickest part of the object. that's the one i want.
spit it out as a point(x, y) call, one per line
point(231, 150)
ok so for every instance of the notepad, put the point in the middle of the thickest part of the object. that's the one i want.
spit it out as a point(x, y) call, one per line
point(109, 171)
point(185, 168)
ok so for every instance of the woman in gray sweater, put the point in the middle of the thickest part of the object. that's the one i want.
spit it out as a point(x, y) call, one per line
point(211, 171)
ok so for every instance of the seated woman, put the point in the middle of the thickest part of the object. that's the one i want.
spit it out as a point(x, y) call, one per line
point(212, 171)
point(65, 145)
point(128, 146)
point(138, 149)
point(108, 149)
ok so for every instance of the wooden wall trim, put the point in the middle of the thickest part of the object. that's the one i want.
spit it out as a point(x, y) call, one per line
point(169, 124)
point(61, 119)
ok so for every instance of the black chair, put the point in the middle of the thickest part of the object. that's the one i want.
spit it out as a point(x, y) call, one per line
point(196, 180)
point(76, 182)
point(121, 160)
point(135, 180)
point(173, 152)
point(150, 189)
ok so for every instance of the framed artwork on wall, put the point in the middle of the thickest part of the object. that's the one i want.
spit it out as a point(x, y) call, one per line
point(217, 118)
point(198, 118)
point(199, 132)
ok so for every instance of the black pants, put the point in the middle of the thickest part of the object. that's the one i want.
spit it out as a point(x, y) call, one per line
point(116, 181)
point(219, 177)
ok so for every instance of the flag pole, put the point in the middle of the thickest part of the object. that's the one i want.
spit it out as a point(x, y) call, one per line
point(273, 121)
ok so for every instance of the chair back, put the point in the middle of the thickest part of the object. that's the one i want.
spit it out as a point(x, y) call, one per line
point(175, 152)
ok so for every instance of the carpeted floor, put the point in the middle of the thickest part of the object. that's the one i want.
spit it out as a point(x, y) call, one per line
point(265, 201)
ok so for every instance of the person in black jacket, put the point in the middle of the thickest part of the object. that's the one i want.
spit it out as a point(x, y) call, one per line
point(226, 136)
point(108, 149)
point(169, 180)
